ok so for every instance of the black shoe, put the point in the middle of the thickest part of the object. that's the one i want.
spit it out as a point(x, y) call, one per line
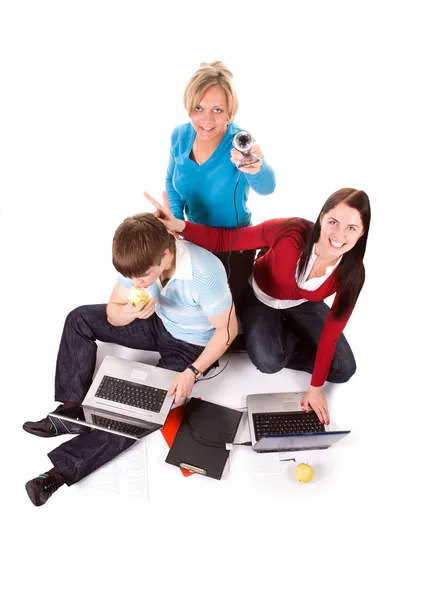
point(52, 427)
point(41, 488)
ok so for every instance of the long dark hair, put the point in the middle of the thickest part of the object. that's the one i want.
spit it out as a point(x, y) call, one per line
point(350, 273)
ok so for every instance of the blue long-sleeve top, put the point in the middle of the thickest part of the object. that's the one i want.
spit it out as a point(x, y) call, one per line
point(205, 193)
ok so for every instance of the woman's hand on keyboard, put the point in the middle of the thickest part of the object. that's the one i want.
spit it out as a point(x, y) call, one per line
point(315, 399)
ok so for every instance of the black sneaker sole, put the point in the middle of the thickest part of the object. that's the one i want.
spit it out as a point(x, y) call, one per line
point(48, 434)
point(39, 433)
point(33, 494)
point(63, 429)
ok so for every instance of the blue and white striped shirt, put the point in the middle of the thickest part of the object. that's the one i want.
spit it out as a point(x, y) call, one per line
point(197, 290)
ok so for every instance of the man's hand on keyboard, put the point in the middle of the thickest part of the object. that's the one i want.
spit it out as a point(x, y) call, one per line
point(182, 385)
point(315, 399)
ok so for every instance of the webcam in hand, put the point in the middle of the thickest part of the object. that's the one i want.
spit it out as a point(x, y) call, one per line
point(243, 142)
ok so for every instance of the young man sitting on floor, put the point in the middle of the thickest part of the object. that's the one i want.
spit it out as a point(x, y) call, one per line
point(190, 320)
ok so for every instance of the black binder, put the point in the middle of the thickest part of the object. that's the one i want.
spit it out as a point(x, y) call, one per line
point(200, 443)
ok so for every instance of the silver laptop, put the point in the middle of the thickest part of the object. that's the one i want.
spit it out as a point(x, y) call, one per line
point(277, 423)
point(126, 397)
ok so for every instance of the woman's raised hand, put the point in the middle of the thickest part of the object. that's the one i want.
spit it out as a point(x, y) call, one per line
point(164, 214)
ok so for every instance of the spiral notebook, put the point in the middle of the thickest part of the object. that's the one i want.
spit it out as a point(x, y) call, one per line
point(200, 443)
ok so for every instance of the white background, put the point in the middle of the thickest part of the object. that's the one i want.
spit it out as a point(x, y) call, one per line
point(338, 94)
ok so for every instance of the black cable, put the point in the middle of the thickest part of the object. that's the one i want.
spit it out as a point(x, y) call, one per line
point(212, 443)
point(229, 269)
point(228, 281)
point(204, 441)
point(219, 373)
point(237, 224)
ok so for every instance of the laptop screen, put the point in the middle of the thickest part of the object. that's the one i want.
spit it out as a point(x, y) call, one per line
point(106, 421)
point(305, 441)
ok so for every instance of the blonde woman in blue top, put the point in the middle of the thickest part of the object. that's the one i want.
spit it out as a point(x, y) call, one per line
point(204, 183)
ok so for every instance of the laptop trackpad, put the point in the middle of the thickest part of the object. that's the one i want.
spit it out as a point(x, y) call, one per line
point(291, 405)
point(139, 374)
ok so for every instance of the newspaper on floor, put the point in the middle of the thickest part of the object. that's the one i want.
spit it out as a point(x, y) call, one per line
point(126, 475)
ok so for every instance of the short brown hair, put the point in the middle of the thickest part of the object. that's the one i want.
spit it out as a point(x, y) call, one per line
point(207, 76)
point(139, 243)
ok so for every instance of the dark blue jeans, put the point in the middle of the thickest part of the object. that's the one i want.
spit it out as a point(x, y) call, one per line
point(278, 338)
point(81, 455)
point(241, 264)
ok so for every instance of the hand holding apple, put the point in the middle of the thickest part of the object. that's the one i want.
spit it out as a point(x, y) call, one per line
point(137, 295)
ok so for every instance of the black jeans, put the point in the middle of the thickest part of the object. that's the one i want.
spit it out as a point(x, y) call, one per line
point(278, 338)
point(241, 265)
point(81, 455)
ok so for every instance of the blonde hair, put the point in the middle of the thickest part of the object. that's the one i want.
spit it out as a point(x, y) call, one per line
point(208, 75)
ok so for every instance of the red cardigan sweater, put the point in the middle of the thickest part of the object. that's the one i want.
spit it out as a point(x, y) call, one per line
point(275, 271)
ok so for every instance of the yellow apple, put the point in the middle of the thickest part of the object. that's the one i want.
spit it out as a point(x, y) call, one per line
point(137, 295)
point(304, 473)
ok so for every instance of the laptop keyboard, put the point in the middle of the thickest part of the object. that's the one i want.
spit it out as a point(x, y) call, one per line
point(117, 425)
point(131, 394)
point(286, 423)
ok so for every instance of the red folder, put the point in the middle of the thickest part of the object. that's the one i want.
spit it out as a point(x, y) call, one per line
point(170, 430)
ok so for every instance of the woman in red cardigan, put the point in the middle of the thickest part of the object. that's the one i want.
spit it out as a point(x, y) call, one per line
point(285, 321)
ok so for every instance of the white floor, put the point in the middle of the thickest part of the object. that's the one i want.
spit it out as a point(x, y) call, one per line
point(337, 94)
point(141, 472)
point(362, 492)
